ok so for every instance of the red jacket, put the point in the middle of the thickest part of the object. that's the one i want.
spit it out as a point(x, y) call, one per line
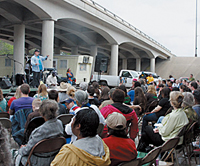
point(129, 115)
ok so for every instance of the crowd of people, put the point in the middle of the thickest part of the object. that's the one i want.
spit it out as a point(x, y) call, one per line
point(176, 103)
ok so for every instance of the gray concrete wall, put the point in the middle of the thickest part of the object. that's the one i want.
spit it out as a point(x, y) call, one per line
point(179, 67)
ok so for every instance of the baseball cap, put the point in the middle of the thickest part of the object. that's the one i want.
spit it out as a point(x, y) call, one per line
point(37, 50)
point(68, 100)
point(116, 121)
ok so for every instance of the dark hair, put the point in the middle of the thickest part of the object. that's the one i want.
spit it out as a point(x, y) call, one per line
point(96, 88)
point(161, 85)
point(90, 90)
point(68, 69)
point(165, 92)
point(194, 84)
point(122, 87)
point(175, 89)
point(185, 88)
point(118, 96)
point(139, 94)
point(196, 94)
point(53, 95)
point(89, 121)
point(164, 81)
point(111, 92)
point(117, 133)
point(137, 84)
point(104, 94)
point(25, 89)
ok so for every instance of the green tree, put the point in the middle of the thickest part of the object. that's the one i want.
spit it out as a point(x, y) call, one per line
point(5, 48)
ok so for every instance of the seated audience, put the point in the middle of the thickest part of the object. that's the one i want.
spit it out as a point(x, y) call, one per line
point(196, 106)
point(92, 99)
point(188, 102)
point(16, 96)
point(35, 107)
point(107, 102)
point(89, 148)
point(81, 98)
point(23, 102)
point(140, 99)
point(51, 128)
point(83, 86)
point(127, 99)
point(71, 106)
point(104, 94)
point(53, 95)
point(131, 92)
point(42, 92)
point(62, 89)
point(184, 88)
point(121, 147)
point(151, 95)
point(118, 106)
point(3, 102)
point(96, 89)
point(160, 110)
point(171, 125)
point(193, 86)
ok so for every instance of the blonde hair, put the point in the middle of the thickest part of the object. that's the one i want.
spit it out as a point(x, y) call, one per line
point(36, 103)
point(71, 91)
point(42, 90)
point(1, 95)
point(18, 93)
point(151, 89)
point(176, 98)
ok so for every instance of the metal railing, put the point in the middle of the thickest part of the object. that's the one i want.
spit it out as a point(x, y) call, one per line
point(122, 21)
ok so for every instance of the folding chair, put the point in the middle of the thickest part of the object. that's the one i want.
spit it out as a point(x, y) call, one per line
point(46, 146)
point(65, 118)
point(4, 115)
point(168, 146)
point(6, 123)
point(32, 125)
point(135, 162)
point(151, 156)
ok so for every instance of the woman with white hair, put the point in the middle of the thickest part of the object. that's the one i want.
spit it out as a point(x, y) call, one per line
point(81, 98)
point(188, 102)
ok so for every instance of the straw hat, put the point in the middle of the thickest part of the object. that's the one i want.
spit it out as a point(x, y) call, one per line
point(63, 86)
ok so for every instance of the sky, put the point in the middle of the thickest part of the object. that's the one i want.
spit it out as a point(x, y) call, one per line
point(170, 22)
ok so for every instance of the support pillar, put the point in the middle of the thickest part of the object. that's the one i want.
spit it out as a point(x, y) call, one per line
point(114, 60)
point(152, 65)
point(93, 53)
point(19, 47)
point(48, 41)
point(74, 51)
point(138, 64)
point(124, 63)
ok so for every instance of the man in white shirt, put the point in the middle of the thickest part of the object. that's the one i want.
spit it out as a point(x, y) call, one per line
point(52, 80)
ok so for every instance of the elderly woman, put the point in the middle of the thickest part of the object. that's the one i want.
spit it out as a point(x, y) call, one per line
point(51, 128)
point(169, 128)
point(81, 98)
point(83, 86)
point(187, 104)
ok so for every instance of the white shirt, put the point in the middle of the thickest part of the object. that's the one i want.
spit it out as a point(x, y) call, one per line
point(51, 80)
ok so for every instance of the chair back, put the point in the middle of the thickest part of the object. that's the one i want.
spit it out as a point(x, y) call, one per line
point(153, 104)
point(168, 145)
point(183, 130)
point(100, 129)
point(4, 115)
point(46, 146)
point(6, 123)
point(151, 156)
point(190, 133)
point(65, 118)
point(32, 125)
point(135, 162)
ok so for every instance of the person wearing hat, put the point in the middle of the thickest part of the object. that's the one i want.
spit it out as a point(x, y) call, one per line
point(37, 67)
point(70, 105)
point(52, 80)
point(121, 147)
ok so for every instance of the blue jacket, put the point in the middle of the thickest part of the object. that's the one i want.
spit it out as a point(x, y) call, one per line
point(35, 60)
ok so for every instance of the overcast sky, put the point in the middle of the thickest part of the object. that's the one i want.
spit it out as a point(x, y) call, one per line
point(170, 22)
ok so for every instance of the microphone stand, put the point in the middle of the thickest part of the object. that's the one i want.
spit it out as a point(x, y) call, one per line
point(14, 81)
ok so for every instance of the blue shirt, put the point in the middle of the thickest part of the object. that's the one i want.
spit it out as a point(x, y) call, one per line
point(131, 93)
point(40, 63)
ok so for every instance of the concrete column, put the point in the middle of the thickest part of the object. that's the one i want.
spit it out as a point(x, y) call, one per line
point(48, 41)
point(138, 64)
point(19, 47)
point(93, 52)
point(114, 60)
point(74, 51)
point(152, 65)
point(124, 63)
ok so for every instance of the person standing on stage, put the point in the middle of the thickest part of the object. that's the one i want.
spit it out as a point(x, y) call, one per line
point(70, 76)
point(37, 67)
